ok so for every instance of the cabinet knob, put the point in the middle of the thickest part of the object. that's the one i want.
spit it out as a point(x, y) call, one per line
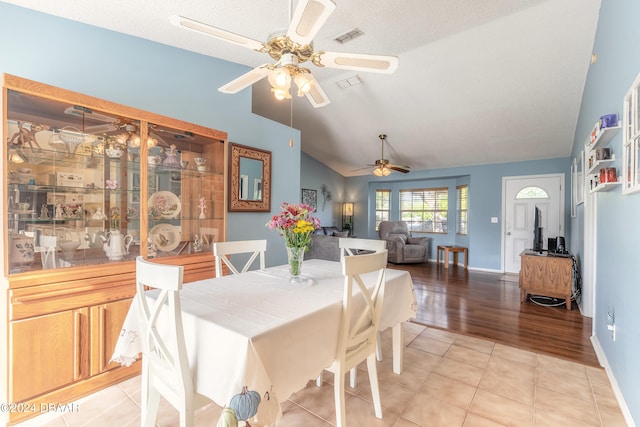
point(508, 233)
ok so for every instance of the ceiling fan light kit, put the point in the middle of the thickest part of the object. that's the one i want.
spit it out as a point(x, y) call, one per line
point(291, 49)
point(382, 166)
point(381, 171)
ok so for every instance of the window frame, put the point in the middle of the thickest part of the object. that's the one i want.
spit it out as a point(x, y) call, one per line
point(442, 213)
point(460, 210)
point(378, 218)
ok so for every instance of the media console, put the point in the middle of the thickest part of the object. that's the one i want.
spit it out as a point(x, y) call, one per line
point(547, 275)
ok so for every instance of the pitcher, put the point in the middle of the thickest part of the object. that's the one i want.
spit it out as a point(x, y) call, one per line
point(117, 246)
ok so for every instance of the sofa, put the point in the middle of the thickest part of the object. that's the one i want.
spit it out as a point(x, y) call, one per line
point(402, 246)
point(324, 244)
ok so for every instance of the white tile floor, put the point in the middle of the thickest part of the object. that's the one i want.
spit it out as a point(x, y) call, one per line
point(448, 380)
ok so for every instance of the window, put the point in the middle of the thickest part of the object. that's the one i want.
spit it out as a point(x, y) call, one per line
point(425, 210)
point(462, 209)
point(631, 140)
point(532, 193)
point(383, 205)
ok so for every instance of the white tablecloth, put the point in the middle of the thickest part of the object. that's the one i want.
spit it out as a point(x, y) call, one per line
point(259, 330)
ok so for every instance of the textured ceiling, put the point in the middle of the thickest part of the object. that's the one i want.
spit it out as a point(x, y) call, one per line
point(479, 81)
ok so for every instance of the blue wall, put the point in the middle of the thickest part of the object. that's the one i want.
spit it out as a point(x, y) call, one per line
point(156, 78)
point(485, 201)
point(312, 175)
point(617, 46)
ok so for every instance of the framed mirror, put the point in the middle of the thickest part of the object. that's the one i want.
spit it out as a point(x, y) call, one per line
point(249, 179)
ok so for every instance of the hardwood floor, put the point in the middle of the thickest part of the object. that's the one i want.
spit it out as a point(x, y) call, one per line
point(480, 304)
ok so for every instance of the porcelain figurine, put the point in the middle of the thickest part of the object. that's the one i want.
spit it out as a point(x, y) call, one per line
point(197, 243)
point(202, 207)
point(98, 214)
point(171, 161)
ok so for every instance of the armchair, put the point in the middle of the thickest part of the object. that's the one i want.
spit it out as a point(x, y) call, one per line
point(404, 248)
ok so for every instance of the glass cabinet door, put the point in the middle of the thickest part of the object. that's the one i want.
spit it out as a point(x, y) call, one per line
point(67, 185)
point(90, 187)
point(185, 192)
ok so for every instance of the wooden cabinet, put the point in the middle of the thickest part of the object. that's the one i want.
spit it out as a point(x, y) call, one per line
point(546, 275)
point(106, 325)
point(90, 185)
point(48, 352)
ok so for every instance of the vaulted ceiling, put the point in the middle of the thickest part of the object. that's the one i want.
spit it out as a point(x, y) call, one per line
point(478, 82)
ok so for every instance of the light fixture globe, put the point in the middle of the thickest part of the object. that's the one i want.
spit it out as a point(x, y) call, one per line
point(281, 94)
point(303, 81)
point(280, 78)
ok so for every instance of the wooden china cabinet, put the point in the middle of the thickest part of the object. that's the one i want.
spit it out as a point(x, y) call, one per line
point(88, 185)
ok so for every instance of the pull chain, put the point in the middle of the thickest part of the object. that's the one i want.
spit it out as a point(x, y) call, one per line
point(291, 125)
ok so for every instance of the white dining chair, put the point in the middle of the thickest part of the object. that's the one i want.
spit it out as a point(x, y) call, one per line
point(223, 250)
point(49, 246)
point(165, 366)
point(350, 246)
point(359, 327)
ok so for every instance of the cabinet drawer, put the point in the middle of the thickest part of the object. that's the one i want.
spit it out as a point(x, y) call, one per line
point(52, 298)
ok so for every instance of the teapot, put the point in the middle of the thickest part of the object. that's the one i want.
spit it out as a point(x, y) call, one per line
point(116, 246)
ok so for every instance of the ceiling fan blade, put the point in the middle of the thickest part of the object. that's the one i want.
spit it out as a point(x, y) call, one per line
point(316, 96)
point(399, 168)
point(227, 36)
point(358, 61)
point(245, 80)
point(308, 18)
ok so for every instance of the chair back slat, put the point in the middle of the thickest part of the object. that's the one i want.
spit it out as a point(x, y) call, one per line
point(161, 325)
point(361, 305)
point(223, 250)
point(350, 246)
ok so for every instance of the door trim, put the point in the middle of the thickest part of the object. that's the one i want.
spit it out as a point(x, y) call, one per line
point(561, 202)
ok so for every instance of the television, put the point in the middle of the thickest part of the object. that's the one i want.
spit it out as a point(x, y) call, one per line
point(537, 230)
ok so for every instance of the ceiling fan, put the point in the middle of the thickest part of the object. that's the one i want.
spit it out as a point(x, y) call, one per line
point(290, 48)
point(382, 166)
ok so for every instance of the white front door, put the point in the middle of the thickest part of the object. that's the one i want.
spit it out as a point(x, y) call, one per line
point(520, 196)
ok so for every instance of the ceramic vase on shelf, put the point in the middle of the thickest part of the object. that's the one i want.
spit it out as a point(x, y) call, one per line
point(295, 256)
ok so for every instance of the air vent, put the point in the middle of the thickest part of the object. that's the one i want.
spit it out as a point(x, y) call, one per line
point(348, 36)
point(351, 81)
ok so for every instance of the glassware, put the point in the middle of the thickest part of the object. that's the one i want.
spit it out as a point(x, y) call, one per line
point(295, 257)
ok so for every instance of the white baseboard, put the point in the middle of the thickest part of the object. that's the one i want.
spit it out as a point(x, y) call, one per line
point(602, 358)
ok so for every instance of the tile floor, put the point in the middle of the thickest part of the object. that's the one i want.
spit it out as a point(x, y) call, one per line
point(448, 380)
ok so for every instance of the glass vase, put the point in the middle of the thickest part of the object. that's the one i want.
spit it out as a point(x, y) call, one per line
point(295, 257)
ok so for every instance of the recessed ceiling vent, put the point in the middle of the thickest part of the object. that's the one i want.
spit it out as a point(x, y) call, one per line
point(348, 36)
point(351, 81)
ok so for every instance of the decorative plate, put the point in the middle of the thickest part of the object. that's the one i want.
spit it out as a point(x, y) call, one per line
point(165, 203)
point(166, 237)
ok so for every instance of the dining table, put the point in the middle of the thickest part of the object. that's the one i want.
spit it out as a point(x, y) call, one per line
point(257, 329)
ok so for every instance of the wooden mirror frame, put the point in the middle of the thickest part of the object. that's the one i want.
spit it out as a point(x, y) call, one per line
point(236, 151)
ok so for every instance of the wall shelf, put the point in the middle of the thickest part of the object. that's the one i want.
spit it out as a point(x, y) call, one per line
point(600, 164)
point(604, 137)
point(605, 186)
